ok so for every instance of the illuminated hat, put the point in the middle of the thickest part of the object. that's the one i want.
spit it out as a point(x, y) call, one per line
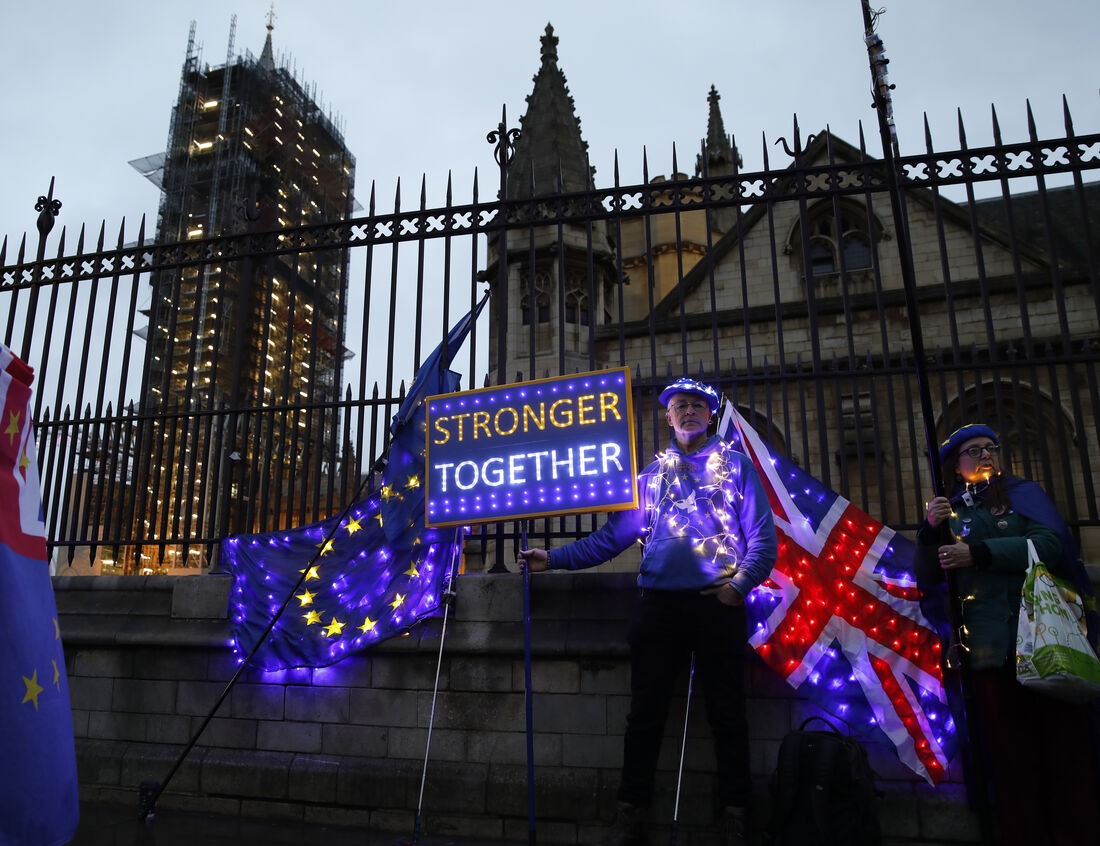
point(691, 386)
point(963, 434)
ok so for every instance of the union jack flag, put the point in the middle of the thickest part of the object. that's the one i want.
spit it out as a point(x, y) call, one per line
point(39, 802)
point(839, 618)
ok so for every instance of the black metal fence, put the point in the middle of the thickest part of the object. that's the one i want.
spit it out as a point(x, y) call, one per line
point(784, 286)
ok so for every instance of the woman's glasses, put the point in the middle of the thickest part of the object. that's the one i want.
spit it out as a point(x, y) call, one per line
point(976, 451)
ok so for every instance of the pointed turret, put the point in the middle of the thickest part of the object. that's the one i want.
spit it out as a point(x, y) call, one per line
point(718, 152)
point(558, 291)
point(551, 134)
point(267, 57)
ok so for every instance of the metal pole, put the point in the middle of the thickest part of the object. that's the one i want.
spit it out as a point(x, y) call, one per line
point(503, 140)
point(881, 88)
point(448, 598)
point(675, 830)
point(884, 109)
point(151, 791)
point(527, 695)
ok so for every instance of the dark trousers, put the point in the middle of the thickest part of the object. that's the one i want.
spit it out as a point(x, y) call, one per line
point(1038, 758)
point(666, 627)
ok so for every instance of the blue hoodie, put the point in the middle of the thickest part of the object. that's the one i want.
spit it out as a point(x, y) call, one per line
point(705, 520)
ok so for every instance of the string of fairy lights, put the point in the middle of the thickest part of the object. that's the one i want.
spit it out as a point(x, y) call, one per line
point(840, 609)
point(360, 590)
point(701, 514)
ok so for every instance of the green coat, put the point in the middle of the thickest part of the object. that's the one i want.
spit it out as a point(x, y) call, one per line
point(990, 590)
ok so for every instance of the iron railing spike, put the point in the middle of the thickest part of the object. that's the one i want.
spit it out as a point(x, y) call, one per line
point(996, 123)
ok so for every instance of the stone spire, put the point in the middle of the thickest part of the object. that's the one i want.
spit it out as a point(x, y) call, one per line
point(267, 57)
point(719, 152)
point(551, 134)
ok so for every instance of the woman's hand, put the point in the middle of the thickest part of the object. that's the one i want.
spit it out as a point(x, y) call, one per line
point(536, 560)
point(727, 594)
point(939, 509)
point(954, 556)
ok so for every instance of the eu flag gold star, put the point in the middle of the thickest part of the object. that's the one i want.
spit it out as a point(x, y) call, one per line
point(412, 571)
point(325, 547)
point(353, 526)
point(56, 677)
point(400, 598)
point(334, 628)
point(414, 482)
point(312, 574)
point(378, 517)
point(312, 617)
point(306, 598)
point(389, 493)
point(12, 431)
point(33, 688)
point(56, 630)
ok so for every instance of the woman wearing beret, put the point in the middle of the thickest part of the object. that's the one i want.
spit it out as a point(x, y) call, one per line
point(1038, 751)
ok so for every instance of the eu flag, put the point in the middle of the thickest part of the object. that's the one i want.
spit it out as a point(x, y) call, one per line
point(368, 575)
point(38, 786)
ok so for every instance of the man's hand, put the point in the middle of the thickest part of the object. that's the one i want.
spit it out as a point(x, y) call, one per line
point(536, 560)
point(727, 594)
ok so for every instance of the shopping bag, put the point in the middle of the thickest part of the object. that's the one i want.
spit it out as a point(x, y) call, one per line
point(1053, 654)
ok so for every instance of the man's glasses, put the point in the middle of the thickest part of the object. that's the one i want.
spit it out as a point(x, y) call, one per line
point(681, 407)
point(976, 451)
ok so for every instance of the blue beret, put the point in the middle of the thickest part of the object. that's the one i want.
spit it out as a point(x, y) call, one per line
point(963, 434)
point(687, 385)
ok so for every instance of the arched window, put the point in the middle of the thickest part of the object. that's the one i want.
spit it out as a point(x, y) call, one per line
point(836, 241)
point(1034, 433)
point(576, 308)
point(542, 298)
point(542, 308)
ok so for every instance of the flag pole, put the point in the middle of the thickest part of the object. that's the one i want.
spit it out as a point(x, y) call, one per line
point(527, 694)
point(448, 599)
point(151, 791)
point(675, 830)
point(883, 105)
point(881, 88)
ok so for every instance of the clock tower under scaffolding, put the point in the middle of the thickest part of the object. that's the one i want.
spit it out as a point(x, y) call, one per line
point(249, 150)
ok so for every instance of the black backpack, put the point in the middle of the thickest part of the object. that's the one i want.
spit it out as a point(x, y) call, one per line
point(823, 791)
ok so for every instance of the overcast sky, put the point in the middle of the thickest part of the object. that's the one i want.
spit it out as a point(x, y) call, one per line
point(90, 86)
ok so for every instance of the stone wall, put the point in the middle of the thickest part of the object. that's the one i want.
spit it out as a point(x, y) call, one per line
point(147, 658)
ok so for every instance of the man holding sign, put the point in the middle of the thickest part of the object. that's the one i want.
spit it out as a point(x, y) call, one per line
point(709, 539)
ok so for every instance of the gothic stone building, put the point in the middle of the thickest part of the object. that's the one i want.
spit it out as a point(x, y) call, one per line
point(795, 306)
